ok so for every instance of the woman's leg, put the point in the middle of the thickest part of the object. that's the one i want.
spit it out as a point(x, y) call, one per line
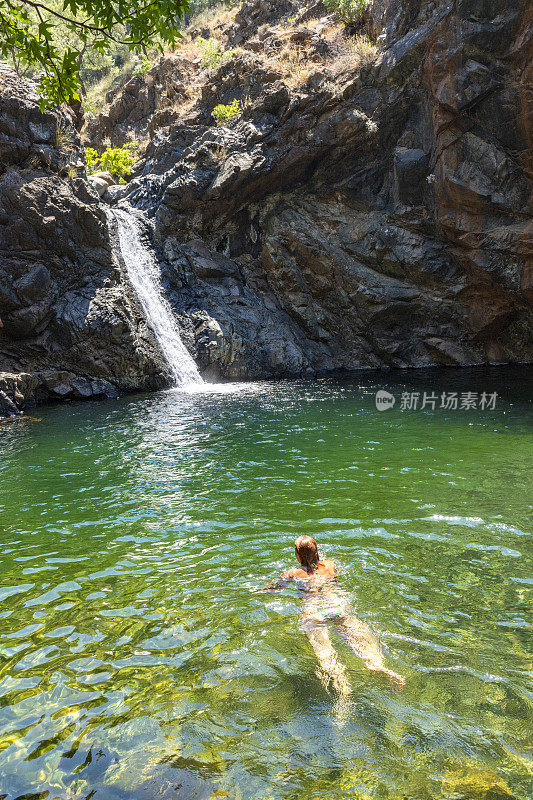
point(364, 643)
point(330, 668)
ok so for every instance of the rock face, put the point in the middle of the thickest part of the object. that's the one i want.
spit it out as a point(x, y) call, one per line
point(370, 207)
point(69, 324)
point(370, 216)
point(133, 105)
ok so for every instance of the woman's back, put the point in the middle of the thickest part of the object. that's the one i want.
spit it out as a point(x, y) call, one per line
point(323, 572)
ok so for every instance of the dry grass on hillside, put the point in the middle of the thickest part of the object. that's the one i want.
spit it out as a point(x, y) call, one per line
point(292, 61)
point(206, 44)
point(292, 64)
point(346, 55)
point(215, 20)
point(357, 52)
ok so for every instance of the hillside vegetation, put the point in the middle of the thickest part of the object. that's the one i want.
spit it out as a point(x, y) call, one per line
point(290, 41)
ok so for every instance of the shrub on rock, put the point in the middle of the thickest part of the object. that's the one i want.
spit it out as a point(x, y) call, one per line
point(116, 160)
point(348, 10)
point(226, 114)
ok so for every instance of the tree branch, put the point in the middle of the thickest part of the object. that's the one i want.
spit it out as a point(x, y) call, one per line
point(51, 60)
point(95, 29)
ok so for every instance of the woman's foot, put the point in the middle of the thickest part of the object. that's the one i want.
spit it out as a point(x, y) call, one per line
point(395, 677)
point(381, 669)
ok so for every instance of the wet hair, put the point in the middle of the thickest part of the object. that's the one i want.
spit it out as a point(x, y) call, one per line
point(306, 552)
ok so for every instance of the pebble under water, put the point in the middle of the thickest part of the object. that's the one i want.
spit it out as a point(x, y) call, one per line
point(135, 662)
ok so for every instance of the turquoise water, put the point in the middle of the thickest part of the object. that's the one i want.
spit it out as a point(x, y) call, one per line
point(136, 663)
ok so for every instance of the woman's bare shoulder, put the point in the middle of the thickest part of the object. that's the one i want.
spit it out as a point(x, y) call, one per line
point(294, 574)
point(289, 575)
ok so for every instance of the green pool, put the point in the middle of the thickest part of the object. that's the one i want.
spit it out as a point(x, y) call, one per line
point(135, 662)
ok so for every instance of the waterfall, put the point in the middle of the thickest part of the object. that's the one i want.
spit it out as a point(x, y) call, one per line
point(144, 276)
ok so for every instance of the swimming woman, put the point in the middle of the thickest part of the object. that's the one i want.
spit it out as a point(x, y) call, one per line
point(325, 602)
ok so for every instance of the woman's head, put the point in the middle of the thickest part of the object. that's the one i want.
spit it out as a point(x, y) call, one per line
point(306, 551)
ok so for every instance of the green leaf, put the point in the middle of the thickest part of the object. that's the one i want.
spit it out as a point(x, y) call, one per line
point(52, 38)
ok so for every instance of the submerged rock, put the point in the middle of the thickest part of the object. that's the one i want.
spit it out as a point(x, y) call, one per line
point(476, 784)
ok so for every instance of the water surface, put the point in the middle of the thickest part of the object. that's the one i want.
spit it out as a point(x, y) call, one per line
point(135, 662)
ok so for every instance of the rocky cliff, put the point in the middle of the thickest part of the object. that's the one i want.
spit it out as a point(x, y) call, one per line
point(370, 207)
point(70, 326)
point(371, 215)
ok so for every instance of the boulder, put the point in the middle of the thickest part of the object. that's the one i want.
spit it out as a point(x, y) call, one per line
point(33, 285)
point(104, 176)
point(17, 391)
point(99, 185)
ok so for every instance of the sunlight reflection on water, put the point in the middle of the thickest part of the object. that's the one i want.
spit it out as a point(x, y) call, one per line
point(135, 660)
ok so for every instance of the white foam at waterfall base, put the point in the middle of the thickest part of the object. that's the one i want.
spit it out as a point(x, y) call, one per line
point(145, 278)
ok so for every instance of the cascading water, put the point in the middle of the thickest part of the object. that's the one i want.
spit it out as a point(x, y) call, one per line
point(145, 278)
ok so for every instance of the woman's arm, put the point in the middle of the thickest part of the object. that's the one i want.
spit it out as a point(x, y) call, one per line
point(277, 583)
point(330, 565)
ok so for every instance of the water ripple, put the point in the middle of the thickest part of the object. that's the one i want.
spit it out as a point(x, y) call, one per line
point(134, 659)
